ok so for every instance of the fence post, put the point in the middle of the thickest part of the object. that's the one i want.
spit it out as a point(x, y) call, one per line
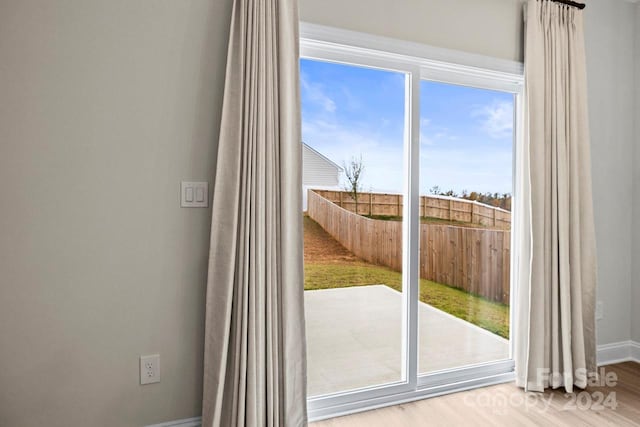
point(450, 217)
point(473, 205)
point(370, 204)
point(397, 205)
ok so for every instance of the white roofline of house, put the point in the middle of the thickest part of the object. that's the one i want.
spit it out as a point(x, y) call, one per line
point(337, 166)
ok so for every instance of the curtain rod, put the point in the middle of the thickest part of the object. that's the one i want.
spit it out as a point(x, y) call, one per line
point(570, 3)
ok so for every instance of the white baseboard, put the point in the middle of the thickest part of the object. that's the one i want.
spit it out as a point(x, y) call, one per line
point(635, 351)
point(617, 352)
point(187, 422)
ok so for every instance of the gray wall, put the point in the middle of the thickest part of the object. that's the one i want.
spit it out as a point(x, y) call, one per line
point(635, 283)
point(487, 27)
point(105, 106)
point(610, 30)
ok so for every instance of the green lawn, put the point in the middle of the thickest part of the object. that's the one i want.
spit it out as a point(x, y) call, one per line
point(489, 315)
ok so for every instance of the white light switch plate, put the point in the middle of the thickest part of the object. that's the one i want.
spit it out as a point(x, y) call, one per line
point(194, 194)
point(150, 369)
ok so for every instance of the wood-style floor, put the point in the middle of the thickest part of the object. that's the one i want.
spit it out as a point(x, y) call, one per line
point(507, 405)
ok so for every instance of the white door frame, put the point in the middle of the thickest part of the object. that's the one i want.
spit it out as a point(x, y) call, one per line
point(418, 62)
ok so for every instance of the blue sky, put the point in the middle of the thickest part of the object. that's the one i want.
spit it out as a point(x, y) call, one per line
point(465, 133)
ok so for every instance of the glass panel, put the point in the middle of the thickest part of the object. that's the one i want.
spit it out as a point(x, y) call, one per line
point(353, 140)
point(466, 143)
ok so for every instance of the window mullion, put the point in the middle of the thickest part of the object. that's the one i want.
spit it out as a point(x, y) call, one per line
point(411, 238)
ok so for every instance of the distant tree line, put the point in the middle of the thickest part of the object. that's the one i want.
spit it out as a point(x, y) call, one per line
point(499, 200)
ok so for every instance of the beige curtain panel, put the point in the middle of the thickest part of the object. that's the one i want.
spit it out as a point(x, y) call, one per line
point(555, 328)
point(254, 368)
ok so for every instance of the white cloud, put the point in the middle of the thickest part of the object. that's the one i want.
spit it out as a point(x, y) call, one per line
point(457, 168)
point(496, 119)
point(426, 140)
point(430, 135)
point(351, 102)
point(315, 93)
point(382, 158)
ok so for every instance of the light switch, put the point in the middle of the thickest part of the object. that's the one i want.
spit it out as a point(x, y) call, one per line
point(194, 194)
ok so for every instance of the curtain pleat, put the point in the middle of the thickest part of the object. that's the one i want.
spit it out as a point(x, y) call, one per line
point(255, 362)
point(555, 327)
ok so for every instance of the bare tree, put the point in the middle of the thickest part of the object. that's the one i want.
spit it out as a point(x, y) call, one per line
point(353, 172)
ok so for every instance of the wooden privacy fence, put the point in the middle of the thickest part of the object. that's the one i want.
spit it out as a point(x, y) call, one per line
point(442, 207)
point(473, 259)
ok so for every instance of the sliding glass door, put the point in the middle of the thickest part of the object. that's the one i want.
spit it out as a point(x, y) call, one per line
point(407, 187)
point(353, 174)
point(466, 186)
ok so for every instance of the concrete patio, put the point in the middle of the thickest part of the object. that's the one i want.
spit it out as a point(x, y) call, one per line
point(354, 339)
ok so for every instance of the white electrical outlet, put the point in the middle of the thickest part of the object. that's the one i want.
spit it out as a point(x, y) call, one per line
point(150, 369)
